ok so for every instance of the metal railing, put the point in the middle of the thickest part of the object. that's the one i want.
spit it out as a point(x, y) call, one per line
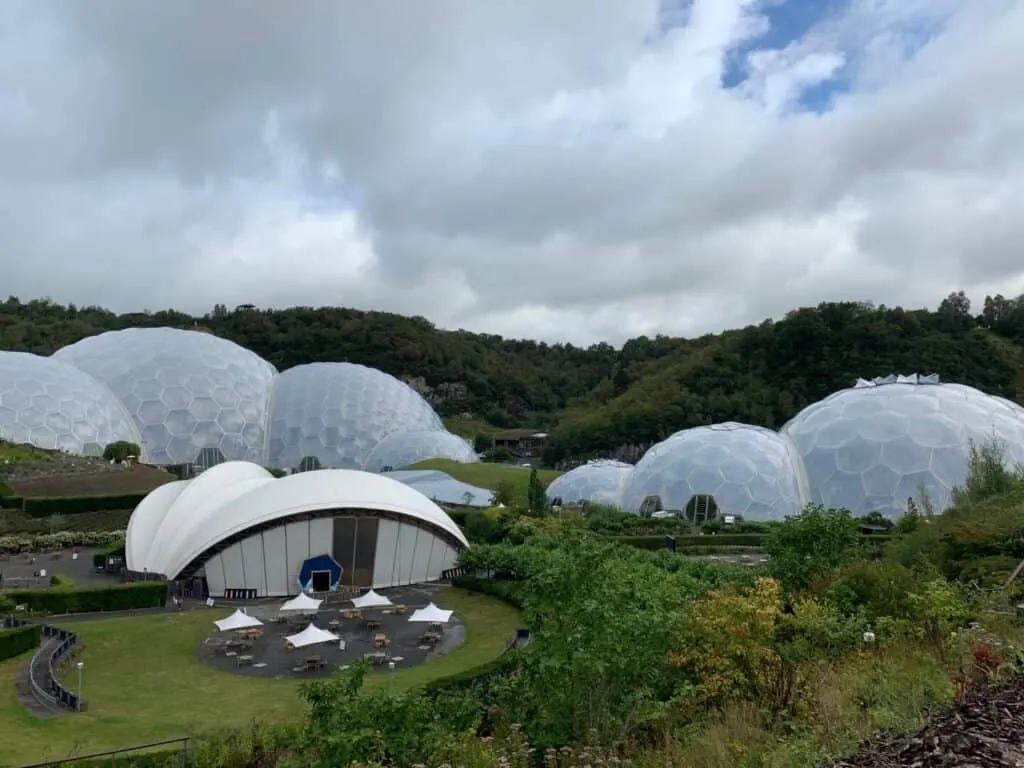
point(51, 691)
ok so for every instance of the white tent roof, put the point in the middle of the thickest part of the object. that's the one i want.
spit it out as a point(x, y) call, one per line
point(238, 620)
point(302, 602)
point(311, 635)
point(431, 614)
point(370, 600)
point(177, 523)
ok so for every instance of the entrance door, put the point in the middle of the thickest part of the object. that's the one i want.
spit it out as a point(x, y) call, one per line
point(321, 581)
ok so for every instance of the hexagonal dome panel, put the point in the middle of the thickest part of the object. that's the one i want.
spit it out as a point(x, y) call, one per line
point(599, 482)
point(53, 405)
point(748, 470)
point(874, 447)
point(403, 449)
point(339, 412)
point(186, 390)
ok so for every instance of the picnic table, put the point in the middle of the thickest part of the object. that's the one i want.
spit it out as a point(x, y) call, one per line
point(313, 663)
point(371, 624)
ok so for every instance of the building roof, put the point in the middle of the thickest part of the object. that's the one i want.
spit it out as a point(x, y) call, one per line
point(179, 521)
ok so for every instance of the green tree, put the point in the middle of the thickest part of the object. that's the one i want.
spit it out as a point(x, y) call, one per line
point(536, 495)
point(121, 450)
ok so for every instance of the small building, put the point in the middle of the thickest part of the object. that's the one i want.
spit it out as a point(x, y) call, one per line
point(521, 443)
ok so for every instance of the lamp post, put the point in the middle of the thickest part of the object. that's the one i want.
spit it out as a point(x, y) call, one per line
point(81, 666)
point(391, 675)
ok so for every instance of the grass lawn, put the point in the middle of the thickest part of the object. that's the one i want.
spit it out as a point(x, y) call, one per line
point(486, 475)
point(470, 428)
point(143, 682)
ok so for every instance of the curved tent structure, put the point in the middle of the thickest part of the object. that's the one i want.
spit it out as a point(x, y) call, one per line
point(244, 529)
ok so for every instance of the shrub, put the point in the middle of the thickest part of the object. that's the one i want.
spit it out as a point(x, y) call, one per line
point(875, 589)
point(14, 642)
point(805, 547)
point(73, 505)
point(60, 580)
point(152, 594)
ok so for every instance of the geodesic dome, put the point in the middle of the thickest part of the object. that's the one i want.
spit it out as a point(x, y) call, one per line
point(599, 482)
point(403, 449)
point(747, 471)
point(55, 406)
point(186, 390)
point(873, 447)
point(338, 413)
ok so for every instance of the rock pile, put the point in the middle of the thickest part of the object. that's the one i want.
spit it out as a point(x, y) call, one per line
point(984, 730)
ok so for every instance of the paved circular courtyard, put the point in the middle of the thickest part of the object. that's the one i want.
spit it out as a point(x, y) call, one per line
point(269, 656)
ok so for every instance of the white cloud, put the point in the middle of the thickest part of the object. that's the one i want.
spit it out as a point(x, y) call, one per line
point(533, 169)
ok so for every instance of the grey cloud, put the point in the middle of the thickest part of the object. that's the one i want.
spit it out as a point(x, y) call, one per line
point(530, 168)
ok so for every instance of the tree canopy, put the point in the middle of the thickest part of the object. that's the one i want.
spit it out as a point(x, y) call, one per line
point(598, 398)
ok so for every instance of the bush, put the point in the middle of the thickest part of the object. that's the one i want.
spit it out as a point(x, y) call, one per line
point(5, 489)
point(124, 597)
point(74, 505)
point(60, 580)
point(14, 642)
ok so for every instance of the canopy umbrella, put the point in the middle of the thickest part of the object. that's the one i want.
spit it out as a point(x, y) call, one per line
point(303, 603)
point(370, 600)
point(431, 615)
point(311, 635)
point(238, 620)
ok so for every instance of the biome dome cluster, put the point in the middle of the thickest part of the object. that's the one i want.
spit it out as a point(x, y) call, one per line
point(178, 393)
point(868, 448)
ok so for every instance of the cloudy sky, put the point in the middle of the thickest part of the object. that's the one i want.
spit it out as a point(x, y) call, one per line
point(554, 169)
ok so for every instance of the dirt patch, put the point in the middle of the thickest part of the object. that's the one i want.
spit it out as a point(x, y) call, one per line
point(138, 479)
point(985, 728)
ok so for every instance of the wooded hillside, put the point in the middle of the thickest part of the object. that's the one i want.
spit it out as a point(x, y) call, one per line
point(594, 399)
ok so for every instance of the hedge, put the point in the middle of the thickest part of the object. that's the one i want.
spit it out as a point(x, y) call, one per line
point(99, 559)
point(467, 678)
point(14, 642)
point(73, 505)
point(157, 759)
point(506, 591)
point(721, 540)
point(12, 502)
point(124, 597)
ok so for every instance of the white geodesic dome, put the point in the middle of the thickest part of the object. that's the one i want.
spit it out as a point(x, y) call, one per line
point(874, 446)
point(185, 390)
point(403, 449)
point(599, 482)
point(748, 470)
point(338, 413)
point(53, 405)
